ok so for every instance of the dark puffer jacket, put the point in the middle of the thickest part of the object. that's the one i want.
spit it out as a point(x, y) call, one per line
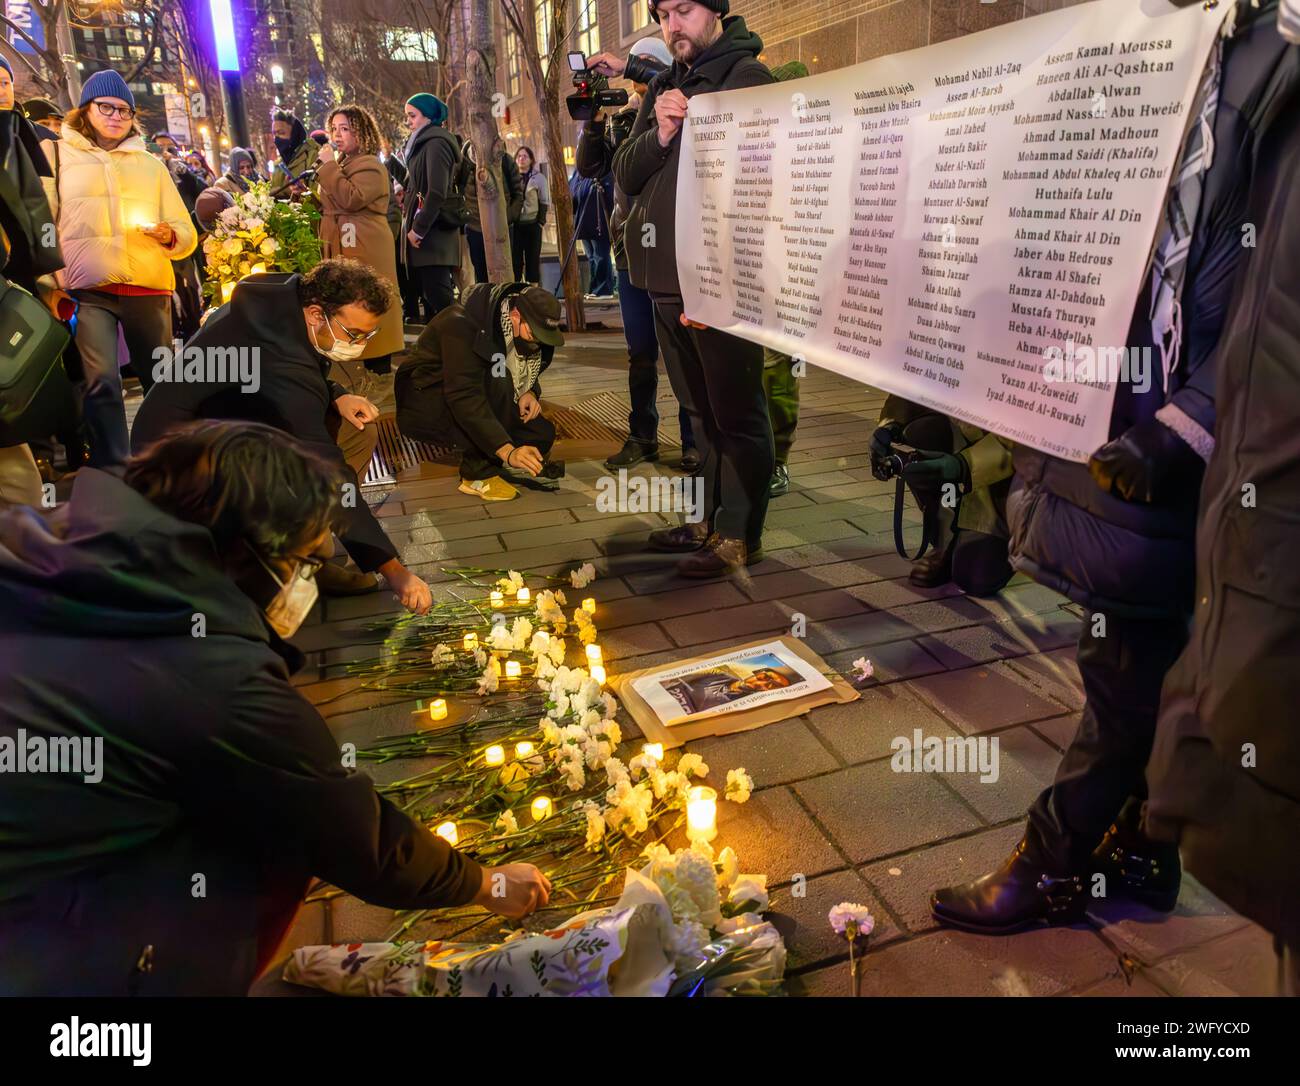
point(1131, 558)
point(647, 173)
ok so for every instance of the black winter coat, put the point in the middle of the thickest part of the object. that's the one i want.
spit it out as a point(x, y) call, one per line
point(431, 168)
point(1133, 558)
point(212, 765)
point(294, 394)
point(647, 173)
point(597, 143)
point(1225, 769)
point(449, 368)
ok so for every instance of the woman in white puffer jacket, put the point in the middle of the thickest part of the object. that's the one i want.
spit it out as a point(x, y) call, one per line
point(120, 223)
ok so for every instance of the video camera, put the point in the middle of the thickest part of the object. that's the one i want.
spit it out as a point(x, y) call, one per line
point(593, 91)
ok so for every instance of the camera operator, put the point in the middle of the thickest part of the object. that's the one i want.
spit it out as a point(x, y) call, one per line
point(971, 534)
point(595, 158)
point(717, 377)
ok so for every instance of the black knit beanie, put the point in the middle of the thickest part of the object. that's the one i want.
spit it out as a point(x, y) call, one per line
point(722, 7)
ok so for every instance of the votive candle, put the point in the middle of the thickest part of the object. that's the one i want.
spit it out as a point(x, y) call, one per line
point(589, 605)
point(438, 709)
point(497, 599)
point(495, 754)
point(653, 750)
point(447, 831)
point(512, 669)
point(541, 808)
point(594, 654)
point(701, 813)
point(523, 595)
point(523, 749)
point(598, 673)
point(471, 641)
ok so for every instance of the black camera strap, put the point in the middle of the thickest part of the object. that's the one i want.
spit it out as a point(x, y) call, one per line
point(929, 529)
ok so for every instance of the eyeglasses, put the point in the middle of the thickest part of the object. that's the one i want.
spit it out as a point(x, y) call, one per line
point(353, 337)
point(107, 109)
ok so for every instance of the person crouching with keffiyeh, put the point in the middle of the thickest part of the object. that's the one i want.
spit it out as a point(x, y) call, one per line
point(472, 381)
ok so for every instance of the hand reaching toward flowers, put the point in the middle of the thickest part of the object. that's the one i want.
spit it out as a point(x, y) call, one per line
point(513, 890)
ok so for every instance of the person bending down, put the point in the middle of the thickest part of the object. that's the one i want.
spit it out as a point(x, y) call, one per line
point(972, 535)
point(472, 381)
point(199, 756)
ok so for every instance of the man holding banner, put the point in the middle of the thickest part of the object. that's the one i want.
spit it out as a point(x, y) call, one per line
point(718, 378)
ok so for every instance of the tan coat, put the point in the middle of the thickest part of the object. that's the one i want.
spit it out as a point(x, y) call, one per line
point(354, 223)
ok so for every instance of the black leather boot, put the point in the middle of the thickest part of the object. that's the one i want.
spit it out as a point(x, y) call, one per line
point(1139, 869)
point(934, 568)
point(1018, 895)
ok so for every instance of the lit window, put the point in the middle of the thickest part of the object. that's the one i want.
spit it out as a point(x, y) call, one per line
point(514, 70)
point(636, 14)
point(588, 28)
point(543, 21)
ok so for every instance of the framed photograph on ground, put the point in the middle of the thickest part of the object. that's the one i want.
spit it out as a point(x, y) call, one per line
point(731, 682)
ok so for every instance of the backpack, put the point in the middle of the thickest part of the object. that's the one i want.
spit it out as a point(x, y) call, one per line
point(454, 212)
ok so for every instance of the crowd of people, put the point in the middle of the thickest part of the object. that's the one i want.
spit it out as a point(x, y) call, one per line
point(227, 502)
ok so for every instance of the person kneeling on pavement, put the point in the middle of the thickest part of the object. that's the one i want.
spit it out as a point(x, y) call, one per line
point(971, 535)
point(191, 754)
point(472, 381)
point(266, 356)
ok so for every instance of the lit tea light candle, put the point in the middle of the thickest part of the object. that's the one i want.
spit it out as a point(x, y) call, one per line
point(541, 808)
point(598, 673)
point(495, 755)
point(589, 605)
point(653, 750)
point(227, 289)
point(593, 655)
point(512, 669)
point(543, 637)
point(438, 709)
point(523, 749)
point(701, 813)
point(497, 599)
point(447, 831)
point(471, 641)
point(523, 595)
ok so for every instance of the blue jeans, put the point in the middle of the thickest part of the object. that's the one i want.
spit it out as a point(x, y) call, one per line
point(602, 265)
point(643, 372)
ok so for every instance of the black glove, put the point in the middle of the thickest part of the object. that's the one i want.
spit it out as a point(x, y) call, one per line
point(1147, 463)
point(934, 469)
point(881, 441)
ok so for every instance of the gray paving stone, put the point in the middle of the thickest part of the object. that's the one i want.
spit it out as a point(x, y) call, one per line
point(1055, 674)
point(890, 662)
point(1026, 765)
point(1042, 962)
point(1199, 918)
point(805, 926)
point(1242, 963)
point(871, 811)
point(1059, 731)
point(1012, 638)
point(950, 863)
point(861, 730)
point(980, 699)
point(775, 754)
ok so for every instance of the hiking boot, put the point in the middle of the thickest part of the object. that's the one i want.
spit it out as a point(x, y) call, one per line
point(334, 579)
point(685, 537)
point(631, 454)
point(780, 483)
point(691, 461)
point(1018, 895)
point(719, 557)
point(490, 490)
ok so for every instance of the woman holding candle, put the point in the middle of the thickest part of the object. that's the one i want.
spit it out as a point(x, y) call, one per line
point(354, 189)
point(120, 223)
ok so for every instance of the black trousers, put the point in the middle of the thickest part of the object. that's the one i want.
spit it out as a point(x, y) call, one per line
point(437, 286)
point(476, 463)
point(718, 379)
point(477, 253)
point(527, 250)
point(1122, 673)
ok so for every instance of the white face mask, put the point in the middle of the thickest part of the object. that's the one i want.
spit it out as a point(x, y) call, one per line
point(292, 604)
point(343, 350)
